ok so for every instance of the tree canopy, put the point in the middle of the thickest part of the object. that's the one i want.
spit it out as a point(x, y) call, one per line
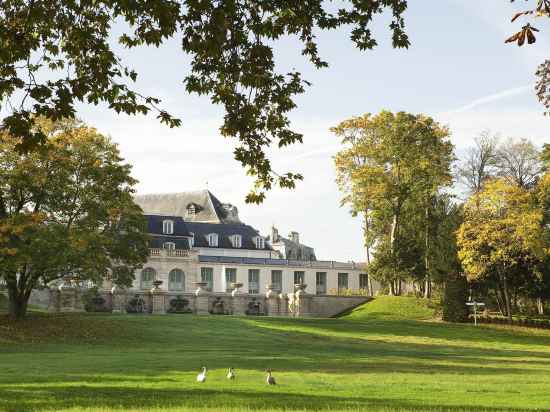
point(55, 54)
point(391, 169)
point(66, 210)
point(502, 230)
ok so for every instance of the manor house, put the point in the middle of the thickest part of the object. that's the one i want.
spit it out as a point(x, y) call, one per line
point(197, 238)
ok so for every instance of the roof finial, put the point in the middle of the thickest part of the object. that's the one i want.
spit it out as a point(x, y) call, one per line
point(207, 185)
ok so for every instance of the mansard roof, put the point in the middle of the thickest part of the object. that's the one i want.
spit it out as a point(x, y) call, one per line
point(157, 242)
point(200, 231)
point(207, 208)
point(224, 231)
point(154, 225)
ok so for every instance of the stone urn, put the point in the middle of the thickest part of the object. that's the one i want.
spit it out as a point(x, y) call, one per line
point(300, 289)
point(269, 291)
point(236, 286)
point(67, 283)
point(201, 288)
point(156, 285)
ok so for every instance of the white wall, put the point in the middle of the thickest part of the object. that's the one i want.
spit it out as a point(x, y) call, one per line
point(251, 253)
point(192, 269)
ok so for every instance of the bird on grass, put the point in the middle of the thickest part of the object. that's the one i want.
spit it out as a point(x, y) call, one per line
point(231, 373)
point(270, 379)
point(201, 377)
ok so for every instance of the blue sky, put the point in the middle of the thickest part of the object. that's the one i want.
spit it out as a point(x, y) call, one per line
point(457, 70)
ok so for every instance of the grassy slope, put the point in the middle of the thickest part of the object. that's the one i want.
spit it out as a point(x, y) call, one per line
point(372, 359)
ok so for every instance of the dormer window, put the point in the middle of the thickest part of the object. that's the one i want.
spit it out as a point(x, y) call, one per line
point(169, 245)
point(168, 227)
point(236, 241)
point(260, 242)
point(192, 209)
point(212, 240)
point(192, 240)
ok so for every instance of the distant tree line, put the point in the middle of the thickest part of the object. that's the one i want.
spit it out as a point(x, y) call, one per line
point(400, 173)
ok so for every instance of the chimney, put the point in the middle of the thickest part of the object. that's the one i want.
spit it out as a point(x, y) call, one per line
point(294, 236)
point(274, 234)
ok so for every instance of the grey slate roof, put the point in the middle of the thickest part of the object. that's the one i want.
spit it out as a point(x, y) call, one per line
point(208, 208)
point(183, 230)
point(179, 237)
point(224, 231)
point(154, 225)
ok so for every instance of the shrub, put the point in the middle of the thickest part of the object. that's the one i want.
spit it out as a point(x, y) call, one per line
point(454, 299)
point(93, 301)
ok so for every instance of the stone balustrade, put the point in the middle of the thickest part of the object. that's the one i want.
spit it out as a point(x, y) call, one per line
point(68, 298)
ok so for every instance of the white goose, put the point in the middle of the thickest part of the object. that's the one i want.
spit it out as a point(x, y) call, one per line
point(201, 377)
point(231, 374)
point(270, 379)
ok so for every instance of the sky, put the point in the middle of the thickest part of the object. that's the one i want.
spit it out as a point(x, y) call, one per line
point(457, 70)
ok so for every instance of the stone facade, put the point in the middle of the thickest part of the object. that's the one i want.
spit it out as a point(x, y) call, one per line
point(203, 259)
point(202, 302)
point(320, 277)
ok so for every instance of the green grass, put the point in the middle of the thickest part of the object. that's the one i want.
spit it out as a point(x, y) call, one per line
point(382, 357)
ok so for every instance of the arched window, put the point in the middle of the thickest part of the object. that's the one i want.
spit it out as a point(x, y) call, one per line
point(147, 277)
point(168, 227)
point(213, 240)
point(236, 241)
point(176, 280)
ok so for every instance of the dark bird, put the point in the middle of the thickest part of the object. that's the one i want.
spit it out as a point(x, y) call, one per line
point(270, 379)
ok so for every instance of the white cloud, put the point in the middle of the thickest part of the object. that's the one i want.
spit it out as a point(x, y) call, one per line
point(490, 99)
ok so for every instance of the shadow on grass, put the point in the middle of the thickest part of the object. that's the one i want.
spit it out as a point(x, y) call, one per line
point(151, 350)
point(30, 399)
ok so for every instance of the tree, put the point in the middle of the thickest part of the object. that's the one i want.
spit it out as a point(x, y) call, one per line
point(391, 165)
point(55, 54)
point(541, 9)
point(455, 295)
point(66, 209)
point(519, 161)
point(501, 232)
point(479, 163)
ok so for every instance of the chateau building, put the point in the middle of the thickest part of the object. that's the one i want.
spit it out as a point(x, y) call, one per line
point(197, 238)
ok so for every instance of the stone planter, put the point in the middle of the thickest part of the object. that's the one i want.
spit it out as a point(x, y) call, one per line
point(236, 286)
point(156, 285)
point(269, 291)
point(201, 288)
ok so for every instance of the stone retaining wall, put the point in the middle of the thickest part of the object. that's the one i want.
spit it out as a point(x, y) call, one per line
point(201, 302)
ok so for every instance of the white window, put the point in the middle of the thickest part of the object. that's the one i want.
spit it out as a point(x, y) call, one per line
point(321, 283)
point(147, 277)
point(253, 281)
point(277, 280)
point(236, 240)
point(213, 240)
point(176, 280)
point(207, 275)
point(260, 242)
point(168, 227)
point(230, 277)
point(192, 240)
point(169, 245)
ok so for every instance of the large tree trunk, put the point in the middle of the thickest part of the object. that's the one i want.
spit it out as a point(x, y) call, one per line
point(17, 304)
point(540, 306)
point(506, 297)
point(499, 302)
point(369, 281)
point(428, 286)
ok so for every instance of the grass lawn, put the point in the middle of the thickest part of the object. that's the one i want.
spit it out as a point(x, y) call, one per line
point(384, 356)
